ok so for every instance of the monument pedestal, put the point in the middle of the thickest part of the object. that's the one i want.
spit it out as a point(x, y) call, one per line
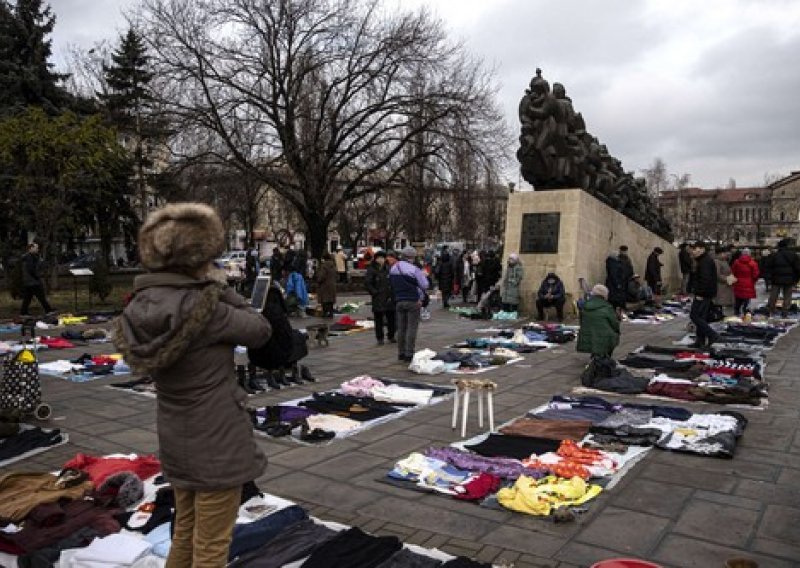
point(571, 233)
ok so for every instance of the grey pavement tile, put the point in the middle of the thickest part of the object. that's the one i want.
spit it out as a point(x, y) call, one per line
point(768, 493)
point(692, 553)
point(696, 478)
point(138, 440)
point(427, 516)
point(724, 524)
point(322, 491)
point(301, 457)
point(646, 496)
point(625, 531)
point(736, 467)
point(585, 554)
point(530, 561)
point(346, 466)
point(436, 431)
point(725, 499)
point(789, 476)
point(397, 446)
point(526, 541)
point(781, 523)
point(781, 549)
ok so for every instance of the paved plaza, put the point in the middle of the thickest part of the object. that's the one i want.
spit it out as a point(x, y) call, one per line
point(674, 509)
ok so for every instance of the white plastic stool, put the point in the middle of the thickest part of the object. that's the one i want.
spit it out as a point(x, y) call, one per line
point(483, 388)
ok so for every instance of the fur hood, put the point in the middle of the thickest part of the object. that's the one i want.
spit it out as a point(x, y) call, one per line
point(181, 236)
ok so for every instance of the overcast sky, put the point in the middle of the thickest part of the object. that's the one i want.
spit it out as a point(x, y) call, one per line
point(711, 87)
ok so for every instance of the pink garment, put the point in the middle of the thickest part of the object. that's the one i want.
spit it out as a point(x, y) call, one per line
point(361, 386)
point(99, 469)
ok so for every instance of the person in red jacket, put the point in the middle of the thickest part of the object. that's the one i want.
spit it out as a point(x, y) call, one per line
point(745, 270)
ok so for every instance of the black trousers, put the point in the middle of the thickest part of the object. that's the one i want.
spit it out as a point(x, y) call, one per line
point(741, 306)
point(342, 277)
point(327, 309)
point(389, 319)
point(510, 307)
point(27, 295)
point(699, 315)
point(541, 304)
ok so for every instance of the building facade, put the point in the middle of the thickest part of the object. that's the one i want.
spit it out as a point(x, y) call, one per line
point(751, 216)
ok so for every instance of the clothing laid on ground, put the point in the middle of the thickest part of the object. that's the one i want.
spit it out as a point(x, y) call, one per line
point(519, 447)
point(292, 543)
point(361, 409)
point(20, 492)
point(541, 497)
point(549, 429)
point(100, 468)
point(353, 548)
point(506, 468)
point(27, 440)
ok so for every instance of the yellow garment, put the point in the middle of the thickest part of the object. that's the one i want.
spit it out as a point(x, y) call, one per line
point(541, 497)
point(26, 356)
point(72, 320)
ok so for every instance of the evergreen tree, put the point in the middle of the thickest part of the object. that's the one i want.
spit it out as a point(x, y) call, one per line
point(128, 79)
point(26, 75)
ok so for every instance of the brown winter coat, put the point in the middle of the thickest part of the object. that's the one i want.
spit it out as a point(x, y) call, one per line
point(182, 331)
point(21, 492)
point(326, 282)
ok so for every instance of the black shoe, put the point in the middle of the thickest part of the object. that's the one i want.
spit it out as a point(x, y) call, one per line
point(305, 374)
point(272, 383)
point(392, 340)
point(280, 378)
point(295, 376)
point(715, 339)
point(241, 378)
point(255, 386)
point(380, 342)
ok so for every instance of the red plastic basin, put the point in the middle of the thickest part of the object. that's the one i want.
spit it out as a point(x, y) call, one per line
point(624, 563)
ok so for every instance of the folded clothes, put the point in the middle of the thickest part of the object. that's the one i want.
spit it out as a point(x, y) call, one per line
point(549, 429)
point(519, 447)
point(505, 468)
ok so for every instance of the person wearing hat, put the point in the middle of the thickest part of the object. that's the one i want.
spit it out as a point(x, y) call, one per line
point(326, 284)
point(409, 286)
point(745, 272)
point(784, 271)
point(512, 280)
point(599, 325)
point(704, 287)
point(180, 328)
point(722, 260)
point(341, 265)
point(551, 294)
point(652, 274)
point(637, 292)
point(377, 283)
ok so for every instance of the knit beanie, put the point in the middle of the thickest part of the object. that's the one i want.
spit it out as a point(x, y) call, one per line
point(409, 252)
point(600, 290)
point(183, 236)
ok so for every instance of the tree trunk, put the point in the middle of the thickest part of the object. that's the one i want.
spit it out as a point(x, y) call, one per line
point(317, 234)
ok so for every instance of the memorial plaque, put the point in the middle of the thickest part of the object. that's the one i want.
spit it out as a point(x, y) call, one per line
point(540, 233)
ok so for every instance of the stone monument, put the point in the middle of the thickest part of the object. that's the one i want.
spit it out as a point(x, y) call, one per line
point(557, 152)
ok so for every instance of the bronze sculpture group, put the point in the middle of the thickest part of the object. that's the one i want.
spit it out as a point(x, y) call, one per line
point(556, 152)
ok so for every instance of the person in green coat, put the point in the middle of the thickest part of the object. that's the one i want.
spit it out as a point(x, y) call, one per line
point(511, 283)
point(599, 333)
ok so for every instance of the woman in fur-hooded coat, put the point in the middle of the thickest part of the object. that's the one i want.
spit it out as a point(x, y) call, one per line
point(181, 328)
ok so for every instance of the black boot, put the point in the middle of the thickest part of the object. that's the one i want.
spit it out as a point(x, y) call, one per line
point(295, 376)
point(252, 382)
point(271, 382)
point(241, 378)
point(280, 378)
point(305, 374)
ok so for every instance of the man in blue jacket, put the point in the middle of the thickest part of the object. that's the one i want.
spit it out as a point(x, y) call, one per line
point(409, 285)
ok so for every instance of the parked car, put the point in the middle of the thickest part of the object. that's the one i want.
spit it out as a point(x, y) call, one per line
point(233, 256)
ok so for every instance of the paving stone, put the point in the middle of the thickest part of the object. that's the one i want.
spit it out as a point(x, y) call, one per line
point(396, 447)
point(715, 522)
point(382, 431)
point(781, 549)
point(488, 553)
point(781, 523)
point(301, 457)
point(663, 499)
point(789, 476)
point(457, 550)
point(734, 468)
point(689, 477)
point(530, 542)
point(725, 499)
point(692, 553)
point(139, 440)
point(428, 517)
point(769, 493)
point(535, 562)
point(419, 537)
point(346, 466)
point(322, 491)
point(625, 531)
point(436, 541)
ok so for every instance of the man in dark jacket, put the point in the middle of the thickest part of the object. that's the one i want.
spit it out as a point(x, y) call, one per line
point(704, 282)
point(784, 271)
point(445, 272)
point(551, 294)
point(380, 289)
point(32, 284)
point(616, 282)
point(652, 273)
point(685, 262)
point(492, 272)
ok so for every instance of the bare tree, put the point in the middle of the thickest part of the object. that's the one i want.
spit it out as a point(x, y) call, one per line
point(656, 178)
point(319, 99)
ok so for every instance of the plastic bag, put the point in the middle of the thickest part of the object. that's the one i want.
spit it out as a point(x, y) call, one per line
point(424, 364)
